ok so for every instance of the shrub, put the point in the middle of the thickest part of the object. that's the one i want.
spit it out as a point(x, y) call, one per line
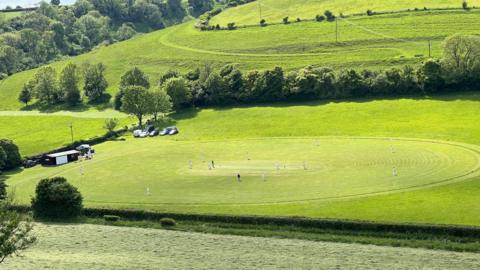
point(167, 222)
point(465, 5)
point(285, 20)
point(55, 198)
point(320, 18)
point(3, 190)
point(329, 15)
point(370, 12)
point(110, 125)
point(231, 26)
point(12, 153)
point(263, 22)
point(111, 218)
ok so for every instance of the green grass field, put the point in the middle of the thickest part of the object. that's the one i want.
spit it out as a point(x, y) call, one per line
point(345, 177)
point(276, 10)
point(37, 132)
point(104, 247)
point(10, 15)
point(291, 46)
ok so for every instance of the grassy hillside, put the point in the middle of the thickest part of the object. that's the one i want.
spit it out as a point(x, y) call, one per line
point(78, 247)
point(275, 10)
point(290, 46)
point(226, 135)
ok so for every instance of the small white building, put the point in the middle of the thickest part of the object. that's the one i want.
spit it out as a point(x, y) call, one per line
point(61, 158)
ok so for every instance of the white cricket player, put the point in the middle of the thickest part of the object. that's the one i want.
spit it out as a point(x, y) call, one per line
point(190, 164)
point(394, 171)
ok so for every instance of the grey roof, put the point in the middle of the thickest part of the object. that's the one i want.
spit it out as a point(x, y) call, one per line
point(61, 154)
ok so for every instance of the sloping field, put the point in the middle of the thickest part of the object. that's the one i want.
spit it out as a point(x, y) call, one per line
point(275, 10)
point(290, 46)
point(102, 247)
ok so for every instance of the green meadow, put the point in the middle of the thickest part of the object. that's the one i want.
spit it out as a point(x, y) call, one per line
point(276, 10)
point(36, 132)
point(10, 15)
point(335, 160)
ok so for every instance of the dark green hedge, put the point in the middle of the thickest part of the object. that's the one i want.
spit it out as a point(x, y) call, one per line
point(333, 224)
point(449, 230)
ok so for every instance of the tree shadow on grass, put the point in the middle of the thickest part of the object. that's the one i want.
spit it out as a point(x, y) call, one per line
point(102, 105)
point(447, 97)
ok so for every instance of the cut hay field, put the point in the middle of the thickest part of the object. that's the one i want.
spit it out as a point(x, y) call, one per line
point(275, 10)
point(103, 247)
point(345, 176)
point(184, 48)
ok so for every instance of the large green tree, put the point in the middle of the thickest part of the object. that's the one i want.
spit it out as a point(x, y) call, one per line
point(95, 82)
point(177, 89)
point(461, 56)
point(68, 83)
point(134, 76)
point(137, 101)
point(161, 103)
point(46, 87)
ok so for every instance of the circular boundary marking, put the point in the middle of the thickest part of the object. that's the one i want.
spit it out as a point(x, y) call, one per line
point(164, 41)
point(475, 150)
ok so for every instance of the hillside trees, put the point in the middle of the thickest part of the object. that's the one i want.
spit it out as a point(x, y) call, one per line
point(133, 77)
point(161, 103)
point(46, 87)
point(199, 7)
point(177, 89)
point(68, 84)
point(51, 31)
point(95, 82)
point(461, 57)
point(26, 94)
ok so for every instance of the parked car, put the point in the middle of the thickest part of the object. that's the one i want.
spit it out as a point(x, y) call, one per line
point(84, 148)
point(29, 164)
point(154, 133)
point(143, 133)
point(173, 131)
point(169, 131)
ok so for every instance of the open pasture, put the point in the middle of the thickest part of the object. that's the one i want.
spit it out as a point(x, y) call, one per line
point(292, 46)
point(275, 10)
point(37, 132)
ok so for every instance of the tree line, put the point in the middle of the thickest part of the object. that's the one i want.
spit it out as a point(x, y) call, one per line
point(50, 89)
point(52, 31)
point(457, 70)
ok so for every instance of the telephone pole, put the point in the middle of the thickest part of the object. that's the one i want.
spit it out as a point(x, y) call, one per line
point(71, 130)
point(336, 29)
point(429, 49)
point(260, 10)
